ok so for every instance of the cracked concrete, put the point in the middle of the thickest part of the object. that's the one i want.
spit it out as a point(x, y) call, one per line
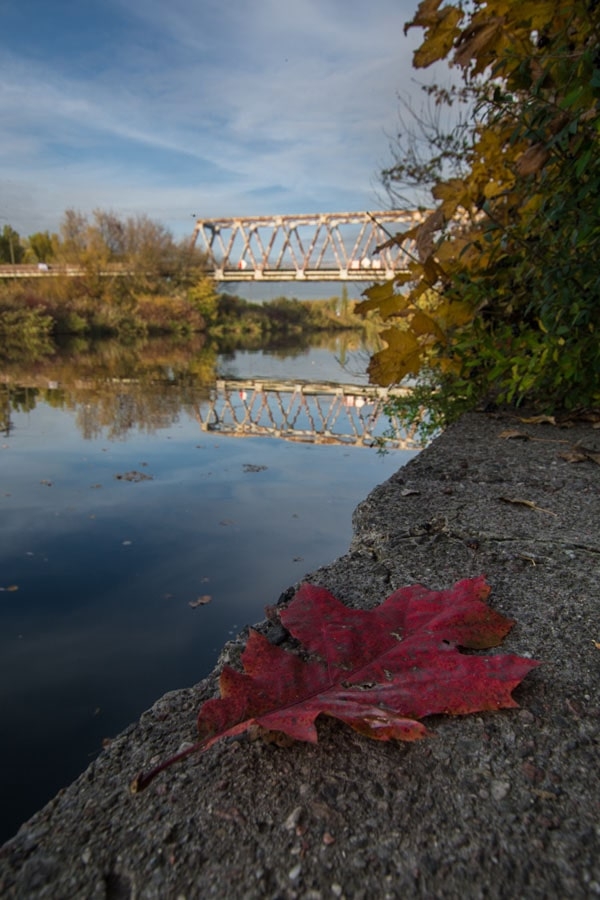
point(497, 805)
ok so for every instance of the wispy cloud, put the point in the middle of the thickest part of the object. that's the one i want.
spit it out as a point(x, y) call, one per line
point(228, 107)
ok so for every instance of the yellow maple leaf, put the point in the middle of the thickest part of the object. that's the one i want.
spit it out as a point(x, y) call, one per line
point(422, 325)
point(400, 358)
point(440, 37)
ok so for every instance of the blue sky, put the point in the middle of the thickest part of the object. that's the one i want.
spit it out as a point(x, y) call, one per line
point(198, 107)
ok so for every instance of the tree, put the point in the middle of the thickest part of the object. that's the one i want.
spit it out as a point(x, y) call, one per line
point(40, 247)
point(502, 300)
point(144, 248)
point(203, 297)
point(11, 249)
point(73, 237)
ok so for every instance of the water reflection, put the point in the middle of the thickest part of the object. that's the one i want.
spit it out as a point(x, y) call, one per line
point(117, 511)
point(113, 390)
point(322, 413)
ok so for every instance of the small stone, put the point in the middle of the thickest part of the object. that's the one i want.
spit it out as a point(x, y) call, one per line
point(294, 874)
point(292, 821)
point(500, 789)
point(336, 889)
point(185, 745)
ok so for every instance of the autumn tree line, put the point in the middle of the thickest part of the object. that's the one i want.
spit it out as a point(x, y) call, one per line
point(164, 287)
point(501, 303)
point(160, 286)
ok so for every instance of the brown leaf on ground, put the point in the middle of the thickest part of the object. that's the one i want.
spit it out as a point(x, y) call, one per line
point(580, 454)
point(517, 501)
point(538, 420)
point(512, 434)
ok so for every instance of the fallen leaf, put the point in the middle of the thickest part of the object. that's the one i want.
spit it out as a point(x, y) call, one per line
point(592, 455)
point(200, 601)
point(573, 456)
point(512, 434)
point(582, 415)
point(378, 670)
point(538, 420)
point(580, 454)
point(516, 501)
point(597, 645)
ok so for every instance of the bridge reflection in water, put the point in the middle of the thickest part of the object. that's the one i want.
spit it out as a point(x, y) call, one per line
point(318, 413)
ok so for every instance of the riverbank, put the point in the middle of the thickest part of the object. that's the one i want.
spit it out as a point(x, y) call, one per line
point(497, 805)
point(33, 324)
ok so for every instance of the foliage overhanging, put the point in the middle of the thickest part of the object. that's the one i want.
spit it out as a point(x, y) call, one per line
point(501, 300)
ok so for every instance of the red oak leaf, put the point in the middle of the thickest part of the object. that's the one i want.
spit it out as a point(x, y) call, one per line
point(378, 670)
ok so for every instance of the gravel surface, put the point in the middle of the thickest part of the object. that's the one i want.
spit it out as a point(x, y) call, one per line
point(494, 805)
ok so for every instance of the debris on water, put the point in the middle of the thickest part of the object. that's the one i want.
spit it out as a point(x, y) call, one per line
point(134, 476)
point(200, 601)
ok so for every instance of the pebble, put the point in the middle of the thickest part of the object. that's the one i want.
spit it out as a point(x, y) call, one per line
point(500, 789)
point(293, 819)
point(294, 874)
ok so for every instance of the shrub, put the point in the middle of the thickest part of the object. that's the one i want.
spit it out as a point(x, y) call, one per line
point(502, 300)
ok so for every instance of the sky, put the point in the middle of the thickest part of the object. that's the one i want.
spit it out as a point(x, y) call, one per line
point(198, 108)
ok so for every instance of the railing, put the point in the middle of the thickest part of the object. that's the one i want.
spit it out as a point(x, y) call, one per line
point(56, 270)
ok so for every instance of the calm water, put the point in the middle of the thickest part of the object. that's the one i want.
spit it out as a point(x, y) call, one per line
point(124, 498)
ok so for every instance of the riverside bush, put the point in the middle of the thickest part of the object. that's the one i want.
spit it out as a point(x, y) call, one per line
point(502, 300)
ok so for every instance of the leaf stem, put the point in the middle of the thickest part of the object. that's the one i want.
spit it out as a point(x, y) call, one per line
point(143, 779)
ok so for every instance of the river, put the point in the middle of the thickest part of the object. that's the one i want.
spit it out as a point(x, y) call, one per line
point(153, 501)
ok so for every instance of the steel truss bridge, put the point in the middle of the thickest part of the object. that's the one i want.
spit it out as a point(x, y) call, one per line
point(318, 413)
point(316, 247)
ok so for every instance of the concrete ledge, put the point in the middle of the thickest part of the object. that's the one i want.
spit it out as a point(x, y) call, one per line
point(499, 805)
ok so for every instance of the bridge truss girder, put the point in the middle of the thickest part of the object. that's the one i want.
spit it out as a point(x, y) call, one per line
point(316, 247)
